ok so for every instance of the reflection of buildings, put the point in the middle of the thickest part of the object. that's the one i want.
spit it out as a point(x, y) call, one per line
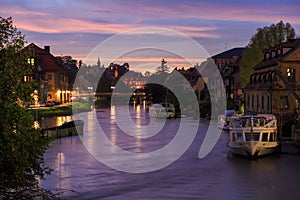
point(51, 74)
point(228, 63)
point(274, 85)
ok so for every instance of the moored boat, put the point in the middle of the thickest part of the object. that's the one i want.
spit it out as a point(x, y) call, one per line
point(224, 119)
point(162, 111)
point(253, 135)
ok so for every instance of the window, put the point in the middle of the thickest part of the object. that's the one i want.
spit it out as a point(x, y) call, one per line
point(248, 100)
point(239, 137)
point(291, 74)
point(49, 76)
point(254, 135)
point(233, 138)
point(264, 137)
point(252, 101)
point(27, 78)
point(284, 102)
point(262, 102)
point(268, 103)
point(272, 138)
point(257, 101)
point(30, 61)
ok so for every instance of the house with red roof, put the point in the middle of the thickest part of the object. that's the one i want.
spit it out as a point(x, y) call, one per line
point(53, 80)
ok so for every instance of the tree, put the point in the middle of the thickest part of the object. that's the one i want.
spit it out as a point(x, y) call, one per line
point(264, 38)
point(163, 68)
point(147, 74)
point(21, 146)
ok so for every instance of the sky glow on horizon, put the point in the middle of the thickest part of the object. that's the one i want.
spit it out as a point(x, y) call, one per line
point(74, 27)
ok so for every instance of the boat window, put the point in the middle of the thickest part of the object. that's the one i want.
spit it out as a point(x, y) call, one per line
point(248, 136)
point(239, 137)
point(233, 138)
point(264, 137)
point(256, 136)
point(272, 139)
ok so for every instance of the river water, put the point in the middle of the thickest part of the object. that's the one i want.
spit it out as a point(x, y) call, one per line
point(79, 175)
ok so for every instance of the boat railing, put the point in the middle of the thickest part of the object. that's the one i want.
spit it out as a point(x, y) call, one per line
point(254, 123)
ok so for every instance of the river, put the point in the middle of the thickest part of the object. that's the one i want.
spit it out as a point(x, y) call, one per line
point(79, 175)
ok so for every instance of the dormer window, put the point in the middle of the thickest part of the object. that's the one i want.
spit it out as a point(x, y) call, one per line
point(267, 55)
point(273, 54)
point(263, 77)
point(273, 76)
point(257, 78)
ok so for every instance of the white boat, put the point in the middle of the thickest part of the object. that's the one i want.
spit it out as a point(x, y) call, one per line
point(162, 111)
point(224, 120)
point(253, 135)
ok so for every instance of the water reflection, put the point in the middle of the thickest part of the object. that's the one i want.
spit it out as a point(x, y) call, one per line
point(214, 177)
point(48, 122)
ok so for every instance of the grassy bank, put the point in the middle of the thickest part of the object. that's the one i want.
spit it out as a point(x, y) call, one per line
point(63, 110)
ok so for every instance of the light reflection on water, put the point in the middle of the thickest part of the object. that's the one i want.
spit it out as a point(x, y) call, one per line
point(213, 177)
point(48, 122)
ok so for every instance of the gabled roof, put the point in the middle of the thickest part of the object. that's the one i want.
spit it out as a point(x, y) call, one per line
point(238, 51)
point(293, 44)
point(45, 59)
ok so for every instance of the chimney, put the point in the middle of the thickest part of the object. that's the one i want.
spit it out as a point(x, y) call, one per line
point(47, 48)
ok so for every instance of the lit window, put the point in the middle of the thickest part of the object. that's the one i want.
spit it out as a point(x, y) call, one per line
point(291, 74)
point(30, 61)
point(27, 78)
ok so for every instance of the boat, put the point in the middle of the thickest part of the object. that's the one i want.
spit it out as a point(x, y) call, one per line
point(253, 135)
point(163, 110)
point(224, 120)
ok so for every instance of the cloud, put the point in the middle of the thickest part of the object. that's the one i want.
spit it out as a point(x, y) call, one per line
point(74, 26)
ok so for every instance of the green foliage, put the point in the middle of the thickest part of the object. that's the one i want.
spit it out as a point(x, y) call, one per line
point(103, 102)
point(264, 38)
point(21, 146)
point(63, 110)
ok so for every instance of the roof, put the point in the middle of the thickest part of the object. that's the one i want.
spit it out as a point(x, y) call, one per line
point(293, 44)
point(45, 59)
point(238, 51)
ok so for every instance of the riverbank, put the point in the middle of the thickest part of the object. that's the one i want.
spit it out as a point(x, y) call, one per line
point(63, 110)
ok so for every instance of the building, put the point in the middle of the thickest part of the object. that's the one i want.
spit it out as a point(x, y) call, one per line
point(275, 83)
point(53, 80)
point(228, 63)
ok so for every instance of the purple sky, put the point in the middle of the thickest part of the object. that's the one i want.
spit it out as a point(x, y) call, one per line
point(75, 27)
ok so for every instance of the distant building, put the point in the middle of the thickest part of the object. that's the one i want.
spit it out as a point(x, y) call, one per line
point(53, 80)
point(228, 63)
point(274, 85)
point(134, 80)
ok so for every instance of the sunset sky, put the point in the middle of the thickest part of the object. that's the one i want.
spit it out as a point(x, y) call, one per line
point(75, 27)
